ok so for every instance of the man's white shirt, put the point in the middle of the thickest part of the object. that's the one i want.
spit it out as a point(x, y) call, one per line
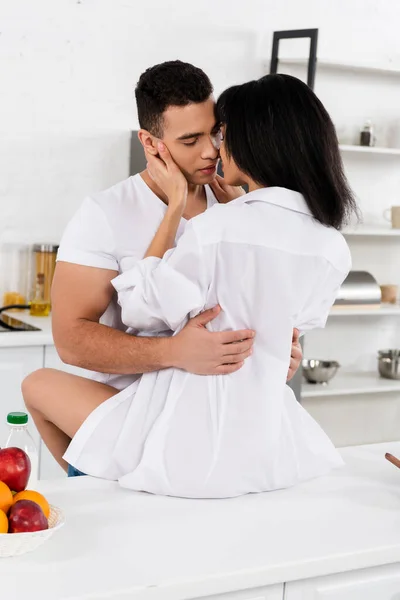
point(112, 230)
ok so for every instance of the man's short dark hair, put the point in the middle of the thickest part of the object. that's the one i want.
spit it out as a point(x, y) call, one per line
point(172, 83)
point(279, 133)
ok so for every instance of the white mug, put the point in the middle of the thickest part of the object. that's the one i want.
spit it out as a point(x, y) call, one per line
point(394, 217)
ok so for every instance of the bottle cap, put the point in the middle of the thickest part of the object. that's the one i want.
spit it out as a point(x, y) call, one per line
point(17, 418)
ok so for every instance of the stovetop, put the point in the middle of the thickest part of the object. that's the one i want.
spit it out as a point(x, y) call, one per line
point(14, 324)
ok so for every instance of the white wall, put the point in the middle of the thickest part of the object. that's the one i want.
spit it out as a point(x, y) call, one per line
point(67, 74)
point(68, 69)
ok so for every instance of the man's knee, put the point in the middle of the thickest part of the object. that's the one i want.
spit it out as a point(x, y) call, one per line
point(34, 386)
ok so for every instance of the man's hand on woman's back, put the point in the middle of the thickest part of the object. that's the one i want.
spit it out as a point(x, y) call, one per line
point(197, 350)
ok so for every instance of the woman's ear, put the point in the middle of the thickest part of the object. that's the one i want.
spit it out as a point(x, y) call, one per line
point(148, 141)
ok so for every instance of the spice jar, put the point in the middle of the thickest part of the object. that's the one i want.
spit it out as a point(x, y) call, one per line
point(45, 256)
point(367, 135)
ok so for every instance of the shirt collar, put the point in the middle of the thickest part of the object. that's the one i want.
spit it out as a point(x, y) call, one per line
point(280, 197)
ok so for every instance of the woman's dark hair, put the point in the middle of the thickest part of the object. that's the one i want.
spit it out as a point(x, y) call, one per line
point(172, 83)
point(279, 133)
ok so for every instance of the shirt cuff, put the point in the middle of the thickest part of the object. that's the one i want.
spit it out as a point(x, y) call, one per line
point(136, 274)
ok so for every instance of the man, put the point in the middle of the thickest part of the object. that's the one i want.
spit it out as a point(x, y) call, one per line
point(110, 232)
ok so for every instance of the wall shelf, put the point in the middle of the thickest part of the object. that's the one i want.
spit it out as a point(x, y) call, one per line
point(348, 384)
point(359, 311)
point(346, 67)
point(345, 384)
point(346, 148)
point(371, 230)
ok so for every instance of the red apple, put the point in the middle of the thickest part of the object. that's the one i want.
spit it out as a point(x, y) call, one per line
point(26, 515)
point(15, 468)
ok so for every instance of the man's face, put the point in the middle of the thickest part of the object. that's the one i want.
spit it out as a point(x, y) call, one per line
point(192, 136)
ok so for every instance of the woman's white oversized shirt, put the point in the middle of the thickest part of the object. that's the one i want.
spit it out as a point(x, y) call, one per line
point(271, 267)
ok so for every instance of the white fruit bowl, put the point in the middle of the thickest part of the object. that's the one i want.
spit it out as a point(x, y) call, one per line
point(15, 544)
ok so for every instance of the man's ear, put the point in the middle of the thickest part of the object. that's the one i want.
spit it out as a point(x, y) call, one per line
point(148, 141)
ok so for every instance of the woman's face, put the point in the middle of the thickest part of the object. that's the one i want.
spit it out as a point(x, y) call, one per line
point(232, 174)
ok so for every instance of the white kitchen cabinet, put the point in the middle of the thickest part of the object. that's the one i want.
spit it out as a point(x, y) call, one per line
point(49, 468)
point(378, 583)
point(15, 365)
point(271, 592)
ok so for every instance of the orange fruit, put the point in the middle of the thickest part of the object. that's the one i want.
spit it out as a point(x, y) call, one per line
point(3, 522)
point(34, 497)
point(6, 497)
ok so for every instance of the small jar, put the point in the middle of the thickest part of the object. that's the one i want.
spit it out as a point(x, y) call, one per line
point(367, 135)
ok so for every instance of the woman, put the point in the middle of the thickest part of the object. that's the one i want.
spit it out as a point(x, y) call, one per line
point(273, 260)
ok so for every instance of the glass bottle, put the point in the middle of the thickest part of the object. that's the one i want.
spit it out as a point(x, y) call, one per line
point(40, 307)
point(19, 437)
point(45, 256)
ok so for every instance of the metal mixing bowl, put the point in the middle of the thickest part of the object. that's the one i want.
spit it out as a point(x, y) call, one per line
point(319, 371)
point(389, 364)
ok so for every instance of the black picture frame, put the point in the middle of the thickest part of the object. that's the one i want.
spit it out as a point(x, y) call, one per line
point(291, 34)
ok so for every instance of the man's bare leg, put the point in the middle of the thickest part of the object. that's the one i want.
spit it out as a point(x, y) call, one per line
point(59, 403)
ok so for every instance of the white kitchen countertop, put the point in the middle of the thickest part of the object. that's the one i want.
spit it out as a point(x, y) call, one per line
point(154, 547)
point(13, 339)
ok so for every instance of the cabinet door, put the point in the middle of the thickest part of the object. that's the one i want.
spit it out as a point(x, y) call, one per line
point(271, 592)
point(378, 583)
point(15, 365)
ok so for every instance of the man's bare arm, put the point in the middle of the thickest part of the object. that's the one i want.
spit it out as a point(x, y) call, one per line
point(80, 295)
point(296, 355)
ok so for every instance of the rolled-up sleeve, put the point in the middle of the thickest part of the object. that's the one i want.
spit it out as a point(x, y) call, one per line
point(159, 294)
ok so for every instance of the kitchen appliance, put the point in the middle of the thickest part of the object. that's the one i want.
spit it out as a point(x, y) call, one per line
point(359, 288)
point(137, 162)
point(389, 364)
point(11, 323)
point(319, 371)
